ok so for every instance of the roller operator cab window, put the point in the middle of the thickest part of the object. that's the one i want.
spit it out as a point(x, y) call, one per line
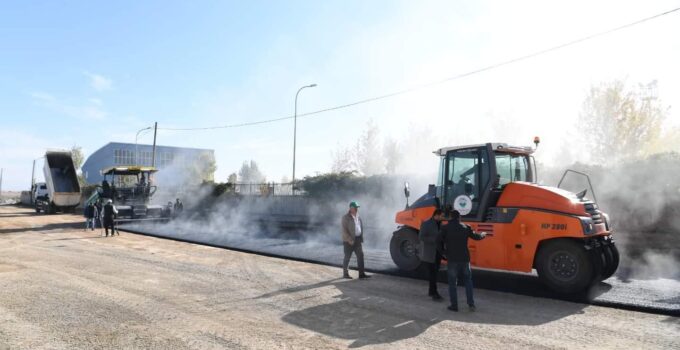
point(466, 173)
point(511, 168)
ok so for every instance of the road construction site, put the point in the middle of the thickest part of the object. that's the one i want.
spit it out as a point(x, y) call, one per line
point(661, 296)
point(67, 288)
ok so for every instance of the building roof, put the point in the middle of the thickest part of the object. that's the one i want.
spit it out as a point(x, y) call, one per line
point(157, 146)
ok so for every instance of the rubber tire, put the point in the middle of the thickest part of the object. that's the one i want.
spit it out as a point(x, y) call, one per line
point(584, 276)
point(612, 254)
point(405, 258)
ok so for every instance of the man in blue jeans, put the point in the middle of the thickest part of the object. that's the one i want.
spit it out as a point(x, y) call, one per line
point(454, 238)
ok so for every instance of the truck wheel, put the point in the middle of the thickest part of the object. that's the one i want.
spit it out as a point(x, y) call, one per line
point(404, 249)
point(37, 210)
point(564, 266)
point(612, 254)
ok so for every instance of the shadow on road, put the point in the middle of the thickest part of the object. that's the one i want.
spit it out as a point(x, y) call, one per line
point(48, 227)
point(383, 317)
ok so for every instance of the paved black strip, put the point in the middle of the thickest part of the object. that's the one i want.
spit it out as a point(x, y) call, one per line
point(628, 295)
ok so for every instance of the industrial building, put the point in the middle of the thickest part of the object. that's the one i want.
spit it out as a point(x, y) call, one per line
point(197, 160)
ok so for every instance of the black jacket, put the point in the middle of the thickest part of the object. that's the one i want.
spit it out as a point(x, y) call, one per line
point(454, 237)
point(88, 212)
point(109, 212)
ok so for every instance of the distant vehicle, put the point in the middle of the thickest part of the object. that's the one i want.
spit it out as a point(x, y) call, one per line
point(130, 189)
point(563, 235)
point(39, 193)
point(61, 182)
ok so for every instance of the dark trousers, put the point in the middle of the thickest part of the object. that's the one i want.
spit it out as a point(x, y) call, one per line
point(109, 224)
point(358, 251)
point(433, 269)
point(462, 269)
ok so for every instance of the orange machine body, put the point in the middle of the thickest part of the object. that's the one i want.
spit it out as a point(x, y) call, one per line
point(540, 213)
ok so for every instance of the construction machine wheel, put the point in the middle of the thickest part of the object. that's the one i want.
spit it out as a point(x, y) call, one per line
point(612, 254)
point(565, 266)
point(404, 249)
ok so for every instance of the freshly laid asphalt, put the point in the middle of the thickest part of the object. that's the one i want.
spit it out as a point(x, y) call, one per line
point(659, 296)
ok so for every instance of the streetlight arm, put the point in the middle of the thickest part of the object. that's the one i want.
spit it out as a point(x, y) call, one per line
point(136, 136)
point(295, 130)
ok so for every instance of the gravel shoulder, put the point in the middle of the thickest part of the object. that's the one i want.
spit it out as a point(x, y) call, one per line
point(66, 288)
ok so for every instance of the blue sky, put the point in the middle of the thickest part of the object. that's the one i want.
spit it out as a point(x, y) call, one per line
point(91, 72)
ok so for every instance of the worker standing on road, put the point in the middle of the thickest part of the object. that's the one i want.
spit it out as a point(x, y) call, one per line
point(179, 207)
point(454, 237)
point(429, 254)
point(110, 212)
point(352, 238)
point(89, 213)
point(98, 213)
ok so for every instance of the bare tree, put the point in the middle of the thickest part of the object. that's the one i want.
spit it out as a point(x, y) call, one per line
point(343, 161)
point(232, 178)
point(368, 154)
point(250, 173)
point(620, 123)
point(392, 155)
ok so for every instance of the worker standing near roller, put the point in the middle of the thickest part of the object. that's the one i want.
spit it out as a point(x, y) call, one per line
point(429, 252)
point(110, 213)
point(352, 238)
point(455, 237)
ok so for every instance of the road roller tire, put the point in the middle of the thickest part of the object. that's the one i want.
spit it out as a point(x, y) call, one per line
point(565, 266)
point(404, 249)
point(612, 254)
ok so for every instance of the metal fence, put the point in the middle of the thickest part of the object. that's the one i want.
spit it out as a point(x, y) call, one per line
point(266, 189)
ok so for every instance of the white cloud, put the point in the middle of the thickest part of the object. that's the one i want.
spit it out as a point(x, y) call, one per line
point(99, 82)
point(85, 111)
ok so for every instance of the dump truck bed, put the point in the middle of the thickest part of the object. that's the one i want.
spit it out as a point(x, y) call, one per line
point(61, 178)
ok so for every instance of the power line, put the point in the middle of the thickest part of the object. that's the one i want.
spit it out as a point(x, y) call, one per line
point(439, 82)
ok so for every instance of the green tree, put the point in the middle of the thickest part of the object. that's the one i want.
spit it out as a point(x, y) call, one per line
point(620, 122)
point(78, 158)
point(208, 166)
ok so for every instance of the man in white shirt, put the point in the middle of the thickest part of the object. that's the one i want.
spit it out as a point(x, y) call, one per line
point(352, 237)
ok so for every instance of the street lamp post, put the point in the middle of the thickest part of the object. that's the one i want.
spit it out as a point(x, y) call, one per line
point(295, 130)
point(136, 136)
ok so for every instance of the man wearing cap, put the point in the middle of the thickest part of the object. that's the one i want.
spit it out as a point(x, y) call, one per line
point(110, 212)
point(352, 237)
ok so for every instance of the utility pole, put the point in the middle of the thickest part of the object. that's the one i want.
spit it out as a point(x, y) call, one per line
point(153, 151)
point(33, 181)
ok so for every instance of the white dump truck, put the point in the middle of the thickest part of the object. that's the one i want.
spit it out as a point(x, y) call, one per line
point(63, 189)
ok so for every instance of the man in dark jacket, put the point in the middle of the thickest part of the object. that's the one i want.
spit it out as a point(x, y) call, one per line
point(110, 212)
point(98, 213)
point(455, 237)
point(352, 237)
point(429, 254)
point(89, 213)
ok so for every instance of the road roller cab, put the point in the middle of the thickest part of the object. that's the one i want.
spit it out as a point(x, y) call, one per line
point(563, 235)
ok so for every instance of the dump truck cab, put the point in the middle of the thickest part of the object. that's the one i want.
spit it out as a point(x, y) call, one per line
point(131, 189)
point(563, 235)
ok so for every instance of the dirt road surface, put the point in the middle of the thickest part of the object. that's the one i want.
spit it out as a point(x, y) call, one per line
point(66, 288)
